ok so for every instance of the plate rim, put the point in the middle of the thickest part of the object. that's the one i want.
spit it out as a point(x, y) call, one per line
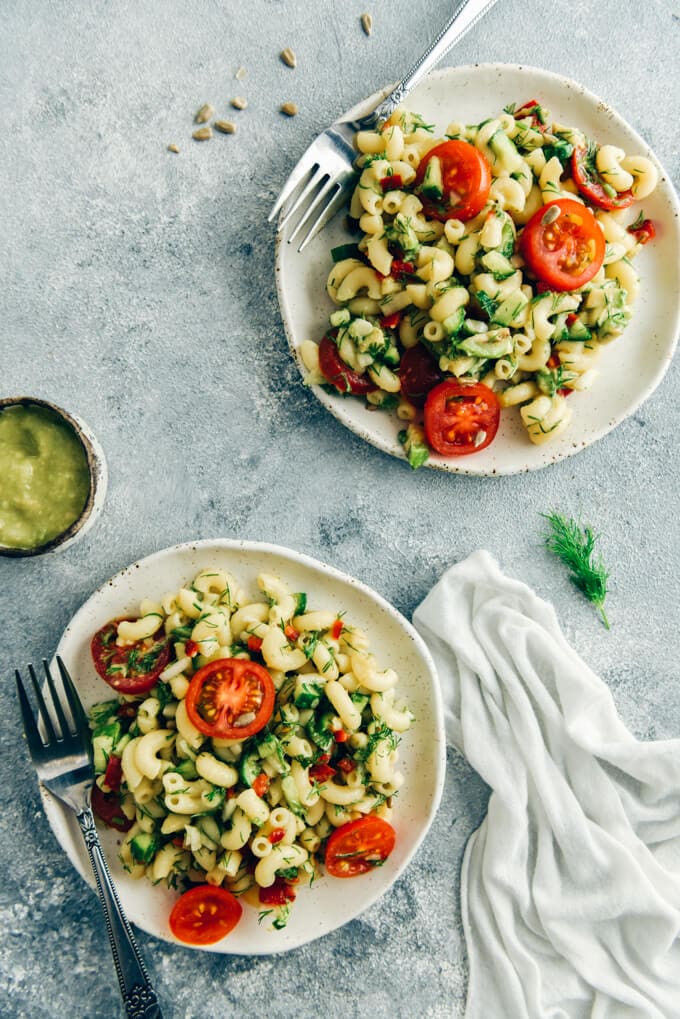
point(58, 815)
point(455, 466)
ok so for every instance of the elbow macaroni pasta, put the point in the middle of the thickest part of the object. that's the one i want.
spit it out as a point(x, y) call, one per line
point(452, 286)
point(327, 755)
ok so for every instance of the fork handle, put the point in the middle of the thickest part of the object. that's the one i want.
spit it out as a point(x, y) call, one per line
point(139, 996)
point(466, 15)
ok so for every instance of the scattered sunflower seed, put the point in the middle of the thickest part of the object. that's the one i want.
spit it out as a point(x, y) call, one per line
point(173, 148)
point(367, 23)
point(239, 103)
point(241, 74)
point(225, 126)
point(204, 114)
point(203, 134)
point(290, 109)
point(289, 57)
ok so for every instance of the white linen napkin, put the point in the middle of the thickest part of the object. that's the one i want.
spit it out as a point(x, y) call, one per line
point(571, 884)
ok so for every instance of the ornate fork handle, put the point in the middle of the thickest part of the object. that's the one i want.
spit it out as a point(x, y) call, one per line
point(466, 15)
point(139, 996)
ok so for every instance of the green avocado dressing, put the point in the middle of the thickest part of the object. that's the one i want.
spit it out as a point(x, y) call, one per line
point(44, 476)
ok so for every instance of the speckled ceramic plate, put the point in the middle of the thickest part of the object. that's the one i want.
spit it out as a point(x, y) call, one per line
point(630, 368)
point(330, 902)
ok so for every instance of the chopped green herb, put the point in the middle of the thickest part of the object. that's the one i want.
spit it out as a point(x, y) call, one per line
point(574, 545)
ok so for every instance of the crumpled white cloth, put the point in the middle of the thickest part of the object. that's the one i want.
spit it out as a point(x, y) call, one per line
point(571, 884)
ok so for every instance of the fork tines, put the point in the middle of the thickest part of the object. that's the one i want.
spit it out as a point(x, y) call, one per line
point(46, 733)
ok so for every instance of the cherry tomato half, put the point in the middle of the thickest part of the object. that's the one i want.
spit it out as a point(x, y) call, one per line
point(205, 914)
point(133, 668)
point(460, 418)
point(466, 180)
point(590, 183)
point(565, 248)
point(419, 374)
point(108, 809)
point(339, 374)
point(359, 846)
point(230, 698)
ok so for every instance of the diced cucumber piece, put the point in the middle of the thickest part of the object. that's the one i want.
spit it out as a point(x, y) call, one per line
point(416, 449)
point(507, 247)
point(432, 185)
point(494, 346)
point(103, 742)
point(318, 730)
point(503, 148)
point(307, 692)
point(290, 791)
point(143, 846)
point(453, 323)
point(510, 308)
point(121, 744)
point(390, 356)
point(341, 317)
point(250, 765)
point(187, 769)
point(579, 331)
point(496, 263)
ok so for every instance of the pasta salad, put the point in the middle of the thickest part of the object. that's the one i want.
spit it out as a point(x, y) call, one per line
point(251, 740)
point(491, 267)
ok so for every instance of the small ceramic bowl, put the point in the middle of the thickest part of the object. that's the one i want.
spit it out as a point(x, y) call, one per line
point(98, 479)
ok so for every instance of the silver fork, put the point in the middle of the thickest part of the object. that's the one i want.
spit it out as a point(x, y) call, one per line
point(324, 174)
point(62, 756)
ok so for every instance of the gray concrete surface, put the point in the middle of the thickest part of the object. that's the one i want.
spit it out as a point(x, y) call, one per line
point(138, 291)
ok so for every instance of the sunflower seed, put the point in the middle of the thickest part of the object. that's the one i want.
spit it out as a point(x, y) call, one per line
point(289, 57)
point(245, 719)
point(239, 103)
point(203, 134)
point(290, 109)
point(550, 215)
point(241, 74)
point(225, 126)
point(173, 148)
point(367, 23)
point(204, 114)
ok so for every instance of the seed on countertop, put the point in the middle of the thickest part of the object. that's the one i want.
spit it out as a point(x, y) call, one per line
point(290, 109)
point(239, 103)
point(241, 74)
point(225, 126)
point(204, 114)
point(367, 23)
point(289, 57)
point(203, 134)
point(173, 148)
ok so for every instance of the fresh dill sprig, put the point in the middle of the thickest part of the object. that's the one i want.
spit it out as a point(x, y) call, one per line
point(574, 545)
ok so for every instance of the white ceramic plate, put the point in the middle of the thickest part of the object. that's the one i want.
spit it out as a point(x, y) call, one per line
point(630, 368)
point(330, 902)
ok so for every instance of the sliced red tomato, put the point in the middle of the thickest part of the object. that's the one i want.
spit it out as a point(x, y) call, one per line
point(466, 180)
point(419, 373)
point(391, 183)
point(131, 669)
point(461, 418)
point(205, 914)
point(359, 846)
point(391, 321)
point(230, 698)
point(276, 835)
point(564, 248)
point(321, 772)
point(261, 784)
point(277, 894)
point(336, 629)
point(254, 643)
point(340, 735)
point(401, 270)
point(346, 764)
point(108, 809)
point(591, 184)
point(339, 374)
point(643, 230)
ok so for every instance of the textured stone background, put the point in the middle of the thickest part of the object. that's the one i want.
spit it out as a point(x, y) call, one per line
point(137, 291)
